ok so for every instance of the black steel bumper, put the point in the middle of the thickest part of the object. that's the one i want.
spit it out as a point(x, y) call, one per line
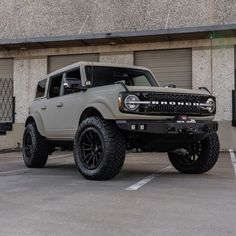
point(168, 126)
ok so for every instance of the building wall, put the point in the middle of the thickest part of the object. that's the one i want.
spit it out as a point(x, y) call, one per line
point(33, 18)
point(212, 64)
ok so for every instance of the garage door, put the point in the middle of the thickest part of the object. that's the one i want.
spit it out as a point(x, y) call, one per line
point(6, 68)
point(57, 62)
point(169, 66)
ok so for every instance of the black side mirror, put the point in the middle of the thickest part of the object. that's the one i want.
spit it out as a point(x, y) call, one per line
point(171, 86)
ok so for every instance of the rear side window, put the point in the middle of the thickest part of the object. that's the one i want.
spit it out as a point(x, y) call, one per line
point(40, 92)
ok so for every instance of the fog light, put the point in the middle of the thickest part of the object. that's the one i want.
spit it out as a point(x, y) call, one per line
point(133, 127)
point(142, 127)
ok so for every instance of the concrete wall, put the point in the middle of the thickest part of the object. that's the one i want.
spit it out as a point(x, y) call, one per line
point(32, 18)
point(27, 71)
point(214, 69)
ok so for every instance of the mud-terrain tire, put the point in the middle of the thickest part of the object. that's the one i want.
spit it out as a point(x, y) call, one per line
point(35, 147)
point(99, 149)
point(206, 151)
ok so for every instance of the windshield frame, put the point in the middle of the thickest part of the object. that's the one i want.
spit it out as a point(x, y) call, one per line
point(148, 74)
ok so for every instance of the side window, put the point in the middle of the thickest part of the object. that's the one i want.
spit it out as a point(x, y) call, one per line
point(55, 86)
point(72, 82)
point(41, 88)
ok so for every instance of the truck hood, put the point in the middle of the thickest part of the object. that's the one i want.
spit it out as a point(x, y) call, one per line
point(166, 90)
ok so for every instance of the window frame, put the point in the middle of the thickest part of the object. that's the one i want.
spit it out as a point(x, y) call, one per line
point(45, 92)
point(50, 83)
point(62, 90)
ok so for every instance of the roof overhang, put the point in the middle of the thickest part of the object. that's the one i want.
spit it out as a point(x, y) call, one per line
point(114, 38)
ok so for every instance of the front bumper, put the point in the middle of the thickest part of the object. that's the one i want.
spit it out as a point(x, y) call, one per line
point(168, 126)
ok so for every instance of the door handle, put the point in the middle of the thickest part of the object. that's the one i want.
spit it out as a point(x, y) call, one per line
point(44, 107)
point(59, 104)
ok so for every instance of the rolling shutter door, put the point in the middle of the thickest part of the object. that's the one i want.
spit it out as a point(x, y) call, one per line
point(57, 62)
point(169, 66)
point(6, 68)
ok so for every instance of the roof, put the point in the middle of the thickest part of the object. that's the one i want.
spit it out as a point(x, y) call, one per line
point(113, 38)
point(77, 64)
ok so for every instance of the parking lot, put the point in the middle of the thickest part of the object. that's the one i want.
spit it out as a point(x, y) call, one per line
point(148, 197)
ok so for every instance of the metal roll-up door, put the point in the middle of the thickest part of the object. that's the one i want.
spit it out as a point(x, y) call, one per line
point(169, 66)
point(57, 62)
point(6, 68)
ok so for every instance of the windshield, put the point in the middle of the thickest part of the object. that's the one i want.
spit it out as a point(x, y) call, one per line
point(102, 75)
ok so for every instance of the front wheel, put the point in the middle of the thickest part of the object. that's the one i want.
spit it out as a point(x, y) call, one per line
point(197, 158)
point(99, 149)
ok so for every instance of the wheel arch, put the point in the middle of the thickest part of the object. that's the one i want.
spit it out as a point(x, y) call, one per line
point(97, 109)
point(36, 118)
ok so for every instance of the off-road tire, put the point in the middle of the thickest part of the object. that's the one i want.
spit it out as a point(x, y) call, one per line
point(208, 156)
point(113, 154)
point(39, 153)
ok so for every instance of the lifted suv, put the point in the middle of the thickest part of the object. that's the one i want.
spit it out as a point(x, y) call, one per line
point(103, 110)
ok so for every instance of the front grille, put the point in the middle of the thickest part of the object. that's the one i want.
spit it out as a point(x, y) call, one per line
point(174, 104)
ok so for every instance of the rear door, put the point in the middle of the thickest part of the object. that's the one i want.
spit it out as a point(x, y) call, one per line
point(48, 105)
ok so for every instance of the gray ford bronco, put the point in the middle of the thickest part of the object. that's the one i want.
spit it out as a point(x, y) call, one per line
point(104, 110)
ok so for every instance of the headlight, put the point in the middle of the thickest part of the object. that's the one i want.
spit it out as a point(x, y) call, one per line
point(209, 106)
point(132, 102)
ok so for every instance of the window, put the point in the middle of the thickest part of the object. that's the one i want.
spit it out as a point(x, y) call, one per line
point(72, 82)
point(55, 86)
point(101, 75)
point(41, 88)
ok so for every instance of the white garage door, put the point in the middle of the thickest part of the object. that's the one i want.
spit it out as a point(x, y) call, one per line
point(57, 62)
point(169, 66)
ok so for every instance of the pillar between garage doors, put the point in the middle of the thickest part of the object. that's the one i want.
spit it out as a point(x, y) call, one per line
point(27, 72)
point(214, 69)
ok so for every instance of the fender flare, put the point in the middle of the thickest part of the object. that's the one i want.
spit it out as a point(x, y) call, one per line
point(38, 121)
point(105, 110)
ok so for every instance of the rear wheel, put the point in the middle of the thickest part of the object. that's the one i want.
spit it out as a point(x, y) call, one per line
point(197, 158)
point(99, 149)
point(35, 147)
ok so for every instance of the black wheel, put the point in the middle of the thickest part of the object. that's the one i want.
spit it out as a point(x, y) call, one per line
point(197, 158)
point(99, 149)
point(35, 147)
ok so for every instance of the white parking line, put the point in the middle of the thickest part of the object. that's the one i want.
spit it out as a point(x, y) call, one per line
point(233, 159)
point(144, 181)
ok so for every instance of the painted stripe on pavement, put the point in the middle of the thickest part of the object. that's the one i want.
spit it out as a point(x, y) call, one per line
point(144, 181)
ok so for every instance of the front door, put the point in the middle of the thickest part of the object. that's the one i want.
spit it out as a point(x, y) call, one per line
point(69, 106)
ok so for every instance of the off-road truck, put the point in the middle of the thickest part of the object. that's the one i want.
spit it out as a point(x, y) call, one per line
point(104, 110)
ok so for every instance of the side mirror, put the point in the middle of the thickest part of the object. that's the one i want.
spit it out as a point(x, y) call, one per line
point(171, 86)
point(72, 85)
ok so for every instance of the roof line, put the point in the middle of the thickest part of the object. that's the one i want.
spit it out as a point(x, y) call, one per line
point(122, 34)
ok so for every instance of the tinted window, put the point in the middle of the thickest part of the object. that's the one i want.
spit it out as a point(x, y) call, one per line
point(41, 88)
point(100, 76)
point(55, 86)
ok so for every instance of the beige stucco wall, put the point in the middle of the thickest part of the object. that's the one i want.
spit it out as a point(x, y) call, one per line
point(213, 67)
point(27, 71)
